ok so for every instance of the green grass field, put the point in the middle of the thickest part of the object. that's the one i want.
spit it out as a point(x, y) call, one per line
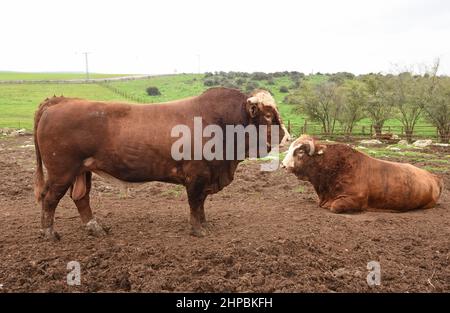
point(52, 76)
point(18, 102)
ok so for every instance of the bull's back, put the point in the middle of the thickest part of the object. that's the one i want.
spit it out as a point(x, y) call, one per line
point(399, 186)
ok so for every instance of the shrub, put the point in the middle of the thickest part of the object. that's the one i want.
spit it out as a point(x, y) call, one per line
point(284, 89)
point(295, 84)
point(153, 91)
point(209, 82)
point(270, 81)
point(240, 81)
point(296, 75)
point(260, 76)
point(229, 84)
point(251, 86)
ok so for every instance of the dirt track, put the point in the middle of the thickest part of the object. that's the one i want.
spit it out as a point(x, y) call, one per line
point(266, 234)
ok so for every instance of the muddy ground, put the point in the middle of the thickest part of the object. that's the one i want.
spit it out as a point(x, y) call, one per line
point(266, 234)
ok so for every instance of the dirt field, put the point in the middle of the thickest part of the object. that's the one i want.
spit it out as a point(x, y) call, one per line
point(266, 234)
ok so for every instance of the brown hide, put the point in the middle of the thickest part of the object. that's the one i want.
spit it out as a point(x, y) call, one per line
point(348, 180)
point(133, 143)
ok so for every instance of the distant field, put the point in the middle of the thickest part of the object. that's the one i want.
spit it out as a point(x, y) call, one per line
point(52, 76)
point(18, 102)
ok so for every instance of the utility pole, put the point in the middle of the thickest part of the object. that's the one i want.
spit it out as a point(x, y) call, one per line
point(87, 64)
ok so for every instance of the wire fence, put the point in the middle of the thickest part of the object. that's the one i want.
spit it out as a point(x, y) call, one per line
point(122, 93)
point(420, 131)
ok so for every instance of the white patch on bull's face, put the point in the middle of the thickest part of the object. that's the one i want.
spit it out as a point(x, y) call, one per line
point(289, 159)
point(264, 98)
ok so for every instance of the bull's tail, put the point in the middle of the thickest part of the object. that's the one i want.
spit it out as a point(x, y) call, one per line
point(39, 179)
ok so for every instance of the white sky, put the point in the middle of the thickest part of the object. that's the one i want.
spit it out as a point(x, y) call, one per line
point(161, 36)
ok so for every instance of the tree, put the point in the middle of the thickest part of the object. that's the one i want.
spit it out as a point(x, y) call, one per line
point(379, 102)
point(320, 102)
point(437, 108)
point(409, 94)
point(341, 77)
point(354, 96)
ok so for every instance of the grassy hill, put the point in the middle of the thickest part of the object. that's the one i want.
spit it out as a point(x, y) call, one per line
point(18, 102)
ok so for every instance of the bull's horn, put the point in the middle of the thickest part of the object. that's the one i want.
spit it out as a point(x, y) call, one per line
point(286, 136)
point(311, 147)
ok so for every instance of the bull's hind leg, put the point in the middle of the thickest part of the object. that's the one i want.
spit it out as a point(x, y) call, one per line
point(53, 192)
point(80, 195)
point(196, 197)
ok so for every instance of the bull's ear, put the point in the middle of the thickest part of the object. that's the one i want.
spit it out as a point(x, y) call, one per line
point(309, 147)
point(252, 108)
point(321, 149)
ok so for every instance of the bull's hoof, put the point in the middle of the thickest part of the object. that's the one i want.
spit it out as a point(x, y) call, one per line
point(49, 234)
point(198, 232)
point(337, 210)
point(94, 229)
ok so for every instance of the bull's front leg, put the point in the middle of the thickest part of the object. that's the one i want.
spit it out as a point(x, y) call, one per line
point(197, 196)
point(346, 204)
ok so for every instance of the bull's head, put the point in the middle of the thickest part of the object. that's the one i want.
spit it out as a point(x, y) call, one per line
point(263, 110)
point(300, 151)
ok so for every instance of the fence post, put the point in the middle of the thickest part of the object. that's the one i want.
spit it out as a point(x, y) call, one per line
point(371, 130)
point(363, 130)
point(289, 126)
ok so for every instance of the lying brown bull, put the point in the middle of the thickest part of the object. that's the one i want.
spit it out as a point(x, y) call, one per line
point(348, 180)
point(132, 143)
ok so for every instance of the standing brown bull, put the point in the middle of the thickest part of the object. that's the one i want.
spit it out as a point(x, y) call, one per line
point(132, 143)
point(348, 180)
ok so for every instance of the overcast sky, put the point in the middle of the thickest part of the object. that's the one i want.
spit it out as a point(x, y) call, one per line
point(163, 36)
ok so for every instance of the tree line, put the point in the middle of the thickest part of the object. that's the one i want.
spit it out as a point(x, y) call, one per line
point(406, 96)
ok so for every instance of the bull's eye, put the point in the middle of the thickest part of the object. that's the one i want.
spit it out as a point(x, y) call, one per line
point(268, 116)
